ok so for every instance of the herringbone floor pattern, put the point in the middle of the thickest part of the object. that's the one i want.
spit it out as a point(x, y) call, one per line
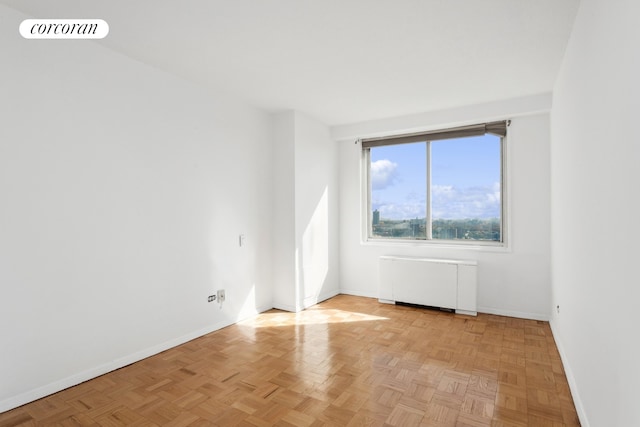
point(349, 361)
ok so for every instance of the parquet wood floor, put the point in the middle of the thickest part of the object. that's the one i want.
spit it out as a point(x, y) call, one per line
point(349, 361)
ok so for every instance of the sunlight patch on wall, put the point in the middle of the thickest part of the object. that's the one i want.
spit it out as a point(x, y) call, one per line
point(315, 249)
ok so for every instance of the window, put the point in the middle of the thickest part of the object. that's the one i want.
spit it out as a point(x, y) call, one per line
point(437, 186)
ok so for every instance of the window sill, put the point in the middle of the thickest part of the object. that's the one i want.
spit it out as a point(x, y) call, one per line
point(465, 246)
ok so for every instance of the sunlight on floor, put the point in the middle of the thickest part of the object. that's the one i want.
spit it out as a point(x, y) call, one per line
point(313, 316)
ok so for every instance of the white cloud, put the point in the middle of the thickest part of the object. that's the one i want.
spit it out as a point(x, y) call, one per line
point(383, 174)
point(442, 191)
point(449, 202)
point(468, 202)
point(407, 210)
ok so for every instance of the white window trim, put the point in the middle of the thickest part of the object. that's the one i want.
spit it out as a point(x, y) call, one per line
point(476, 245)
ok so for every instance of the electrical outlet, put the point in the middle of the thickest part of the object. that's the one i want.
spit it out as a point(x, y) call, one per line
point(221, 296)
point(211, 298)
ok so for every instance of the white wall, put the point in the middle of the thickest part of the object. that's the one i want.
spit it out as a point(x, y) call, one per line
point(513, 282)
point(305, 212)
point(122, 194)
point(285, 292)
point(595, 173)
point(316, 190)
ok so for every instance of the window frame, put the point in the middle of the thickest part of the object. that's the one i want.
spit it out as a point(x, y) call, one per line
point(367, 215)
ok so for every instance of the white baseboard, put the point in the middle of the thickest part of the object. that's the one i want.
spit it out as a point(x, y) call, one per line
point(511, 313)
point(311, 301)
point(285, 307)
point(573, 386)
point(488, 310)
point(307, 302)
point(358, 293)
point(467, 312)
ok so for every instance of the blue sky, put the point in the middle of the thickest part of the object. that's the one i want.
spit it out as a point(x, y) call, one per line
point(465, 179)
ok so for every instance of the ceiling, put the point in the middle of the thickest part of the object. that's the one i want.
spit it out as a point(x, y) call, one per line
point(341, 61)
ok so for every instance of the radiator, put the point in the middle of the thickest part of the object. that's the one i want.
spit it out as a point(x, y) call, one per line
point(443, 283)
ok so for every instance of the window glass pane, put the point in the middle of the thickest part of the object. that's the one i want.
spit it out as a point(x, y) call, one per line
point(465, 188)
point(399, 191)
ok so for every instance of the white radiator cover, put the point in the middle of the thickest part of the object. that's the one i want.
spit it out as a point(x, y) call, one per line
point(444, 283)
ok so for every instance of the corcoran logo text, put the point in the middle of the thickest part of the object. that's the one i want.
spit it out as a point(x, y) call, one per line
point(64, 29)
